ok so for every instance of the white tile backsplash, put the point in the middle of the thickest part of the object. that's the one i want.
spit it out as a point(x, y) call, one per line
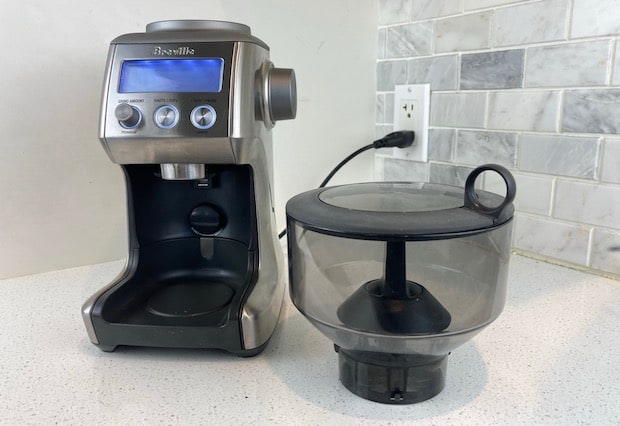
point(606, 251)
point(523, 110)
point(492, 70)
point(394, 11)
point(591, 111)
point(533, 194)
point(440, 143)
point(440, 72)
point(595, 18)
point(563, 241)
point(409, 40)
point(480, 147)
point(465, 32)
point(559, 155)
point(404, 171)
point(535, 22)
point(611, 161)
point(458, 109)
point(530, 84)
point(588, 203)
point(574, 64)
point(424, 9)
point(390, 73)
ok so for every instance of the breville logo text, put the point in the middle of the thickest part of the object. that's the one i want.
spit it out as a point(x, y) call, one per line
point(179, 51)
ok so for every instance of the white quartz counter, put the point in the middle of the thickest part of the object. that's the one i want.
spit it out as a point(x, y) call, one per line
point(553, 357)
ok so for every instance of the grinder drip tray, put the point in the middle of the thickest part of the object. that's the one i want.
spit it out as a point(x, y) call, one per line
point(175, 285)
point(187, 299)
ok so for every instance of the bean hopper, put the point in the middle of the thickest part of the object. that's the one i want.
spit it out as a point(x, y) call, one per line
point(187, 112)
point(398, 275)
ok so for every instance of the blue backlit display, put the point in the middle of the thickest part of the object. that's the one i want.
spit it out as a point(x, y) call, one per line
point(172, 75)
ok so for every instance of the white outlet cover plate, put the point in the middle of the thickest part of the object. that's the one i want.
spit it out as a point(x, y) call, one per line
point(421, 95)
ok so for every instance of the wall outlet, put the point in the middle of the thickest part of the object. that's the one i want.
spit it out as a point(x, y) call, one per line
point(411, 112)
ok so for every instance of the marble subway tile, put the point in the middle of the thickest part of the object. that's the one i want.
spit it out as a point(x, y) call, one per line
point(533, 194)
point(563, 241)
point(595, 204)
point(440, 143)
point(467, 32)
point(523, 110)
point(559, 155)
point(480, 147)
point(591, 111)
point(425, 9)
point(381, 37)
point(611, 161)
point(404, 170)
point(439, 71)
point(483, 4)
point(448, 174)
point(575, 64)
point(409, 40)
point(394, 11)
point(605, 253)
point(458, 109)
point(492, 70)
point(380, 109)
point(378, 170)
point(389, 108)
point(595, 18)
point(530, 23)
point(389, 74)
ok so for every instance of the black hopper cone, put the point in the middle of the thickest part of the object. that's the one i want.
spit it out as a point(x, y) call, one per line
point(393, 306)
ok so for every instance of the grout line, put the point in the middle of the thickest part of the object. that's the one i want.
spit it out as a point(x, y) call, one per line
point(602, 144)
point(589, 248)
point(611, 66)
point(569, 20)
point(552, 196)
point(560, 111)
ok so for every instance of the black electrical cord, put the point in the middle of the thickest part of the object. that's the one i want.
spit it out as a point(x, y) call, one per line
point(400, 139)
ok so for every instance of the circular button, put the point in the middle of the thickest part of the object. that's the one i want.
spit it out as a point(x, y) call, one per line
point(128, 116)
point(166, 117)
point(203, 117)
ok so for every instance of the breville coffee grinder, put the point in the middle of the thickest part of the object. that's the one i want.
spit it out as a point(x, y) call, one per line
point(187, 111)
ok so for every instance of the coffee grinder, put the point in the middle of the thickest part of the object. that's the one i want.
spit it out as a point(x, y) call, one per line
point(187, 112)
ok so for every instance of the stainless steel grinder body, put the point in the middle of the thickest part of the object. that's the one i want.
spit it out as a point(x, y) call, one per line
point(196, 153)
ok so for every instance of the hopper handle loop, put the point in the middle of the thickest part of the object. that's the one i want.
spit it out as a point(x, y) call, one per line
point(471, 198)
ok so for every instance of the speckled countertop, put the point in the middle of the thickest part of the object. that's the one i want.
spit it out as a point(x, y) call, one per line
point(553, 357)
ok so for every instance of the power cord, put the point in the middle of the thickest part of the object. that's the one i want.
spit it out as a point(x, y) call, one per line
point(400, 139)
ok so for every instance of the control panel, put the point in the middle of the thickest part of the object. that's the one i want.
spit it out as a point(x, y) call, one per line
point(184, 95)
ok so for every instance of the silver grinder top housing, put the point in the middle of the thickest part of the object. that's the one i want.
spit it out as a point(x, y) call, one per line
point(253, 96)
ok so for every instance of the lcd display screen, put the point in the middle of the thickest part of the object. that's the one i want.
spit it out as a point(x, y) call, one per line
point(171, 75)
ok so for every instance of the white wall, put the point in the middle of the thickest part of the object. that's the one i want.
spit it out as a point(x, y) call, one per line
point(61, 199)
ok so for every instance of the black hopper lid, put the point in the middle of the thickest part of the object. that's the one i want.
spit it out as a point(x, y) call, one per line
point(404, 211)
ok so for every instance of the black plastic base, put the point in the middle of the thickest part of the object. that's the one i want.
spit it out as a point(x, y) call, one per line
point(391, 378)
point(241, 353)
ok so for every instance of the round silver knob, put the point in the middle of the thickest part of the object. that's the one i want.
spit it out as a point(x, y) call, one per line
point(166, 117)
point(203, 117)
point(128, 116)
point(282, 94)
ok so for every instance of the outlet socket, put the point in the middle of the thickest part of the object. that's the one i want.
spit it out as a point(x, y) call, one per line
point(411, 112)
